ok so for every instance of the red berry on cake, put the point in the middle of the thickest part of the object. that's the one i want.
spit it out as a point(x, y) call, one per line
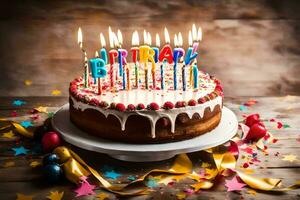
point(112, 105)
point(103, 104)
point(180, 104)
point(94, 102)
point(153, 106)
point(201, 100)
point(211, 95)
point(168, 105)
point(192, 102)
point(219, 88)
point(140, 106)
point(120, 107)
point(130, 107)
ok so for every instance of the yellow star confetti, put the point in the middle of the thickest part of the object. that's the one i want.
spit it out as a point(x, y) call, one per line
point(35, 164)
point(9, 134)
point(24, 197)
point(9, 164)
point(42, 109)
point(181, 195)
point(27, 82)
point(253, 192)
point(102, 196)
point(55, 195)
point(56, 92)
point(289, 157)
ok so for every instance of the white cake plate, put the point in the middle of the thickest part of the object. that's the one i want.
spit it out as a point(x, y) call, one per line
point(144, 152)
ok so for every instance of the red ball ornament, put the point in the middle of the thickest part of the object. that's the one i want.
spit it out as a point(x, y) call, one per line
point(252, 119)
point(50, 141)
point(256, 132)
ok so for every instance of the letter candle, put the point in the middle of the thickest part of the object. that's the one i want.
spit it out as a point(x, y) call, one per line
point(122, 60)
point(178, 52)
point(85, 60)
point(164, 56)
point(134, 50)
point(113, 54)
point(98, 69)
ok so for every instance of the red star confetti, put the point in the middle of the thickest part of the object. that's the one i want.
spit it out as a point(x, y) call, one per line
point(234, 184)
point(85, 189)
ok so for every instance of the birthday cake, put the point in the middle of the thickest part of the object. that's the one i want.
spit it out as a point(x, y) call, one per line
point(160, 97)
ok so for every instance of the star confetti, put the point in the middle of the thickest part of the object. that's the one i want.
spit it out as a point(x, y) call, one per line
point(35, 164)
point(102, 196)
point(41, 109)
point(27, 82)
point(9, 135)
point(24, 197)
point(26, 124)
point(234, 185)
point(85, 189)
point(290, 157)
point(20, 151)
point(242, 108)
point(152, 182)
point(56, 92)
point(18, 102)
point(112, 174)
point(55, 195)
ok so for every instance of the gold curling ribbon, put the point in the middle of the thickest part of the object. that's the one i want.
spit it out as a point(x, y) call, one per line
point(20, 129)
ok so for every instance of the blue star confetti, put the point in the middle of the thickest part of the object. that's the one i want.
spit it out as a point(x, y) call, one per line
point(131, 178)
point(18, 102)
point(26, 124)
point(20, 151)
point(242, 108)
point(112, 174)
point(151, 182)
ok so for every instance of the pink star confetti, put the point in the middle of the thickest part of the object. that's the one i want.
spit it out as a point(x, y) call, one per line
point(85, 189)
point(234, 184)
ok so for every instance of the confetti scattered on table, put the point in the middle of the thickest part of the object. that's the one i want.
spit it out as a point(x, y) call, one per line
point(27, 82)
point(289, 157)
point(8, 134)
point(102, 196)
point(56, 92)
point(20, 151)
point(131, 178)
point(151, 182)
point(18, 102)
point(26, 124)
point(35, 164)
point(24, 197)
point(55, 195)
point(234, 185)
point(85, 189)
point(242, 108)
point(252, 192)
point(181, 195)
point(112, 174)
point(41, 109)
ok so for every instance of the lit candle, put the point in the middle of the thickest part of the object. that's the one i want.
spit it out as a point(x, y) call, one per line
point(165, 55)
point(113, 54)
point(98, 69)
point(189, 57)
point(152, 55)
point(85, 60)
point(122, 59)
point(156, 47)
point(195, 76)
point(178, 53)
point(134, 50)
point(128, 76)
point(103, 52)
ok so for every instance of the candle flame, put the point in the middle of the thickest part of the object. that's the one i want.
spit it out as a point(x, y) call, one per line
point(135, 39)
point(145, 37)
point(194, 32)
point(180, 41)
point(120, 37)
point(116, 42)
point(96, 54)
point(157, 40)
point(111, 38)
point(167, 37)
point(79, 37)
point(199, 35)
point(102, 40)
point(190, 39)
point(149, 39)
point(175, 41)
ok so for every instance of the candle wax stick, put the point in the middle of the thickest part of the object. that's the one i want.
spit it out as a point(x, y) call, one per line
point(195, 76)
point(146, 76)
point(153, 80)
point(128, 78)
point(191, 76)
point(162, 74)
point(124, 78)
point(136, 71)
point(99, 86)
point(183, 78)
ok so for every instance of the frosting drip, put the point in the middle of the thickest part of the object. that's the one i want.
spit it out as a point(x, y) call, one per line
point(153, 116)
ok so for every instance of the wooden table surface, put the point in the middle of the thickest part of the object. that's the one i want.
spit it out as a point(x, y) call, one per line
point(22, 178)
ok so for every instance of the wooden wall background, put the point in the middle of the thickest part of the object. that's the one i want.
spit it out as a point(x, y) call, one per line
point(252, 46)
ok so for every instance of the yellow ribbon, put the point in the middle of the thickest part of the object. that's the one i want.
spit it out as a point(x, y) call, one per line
point(20, 129)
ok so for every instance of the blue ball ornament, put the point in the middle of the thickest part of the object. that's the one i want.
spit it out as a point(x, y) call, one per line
point(50, 159)
point(53, 173)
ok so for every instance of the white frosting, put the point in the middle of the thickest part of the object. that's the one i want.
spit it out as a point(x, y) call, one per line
point(153, 116)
